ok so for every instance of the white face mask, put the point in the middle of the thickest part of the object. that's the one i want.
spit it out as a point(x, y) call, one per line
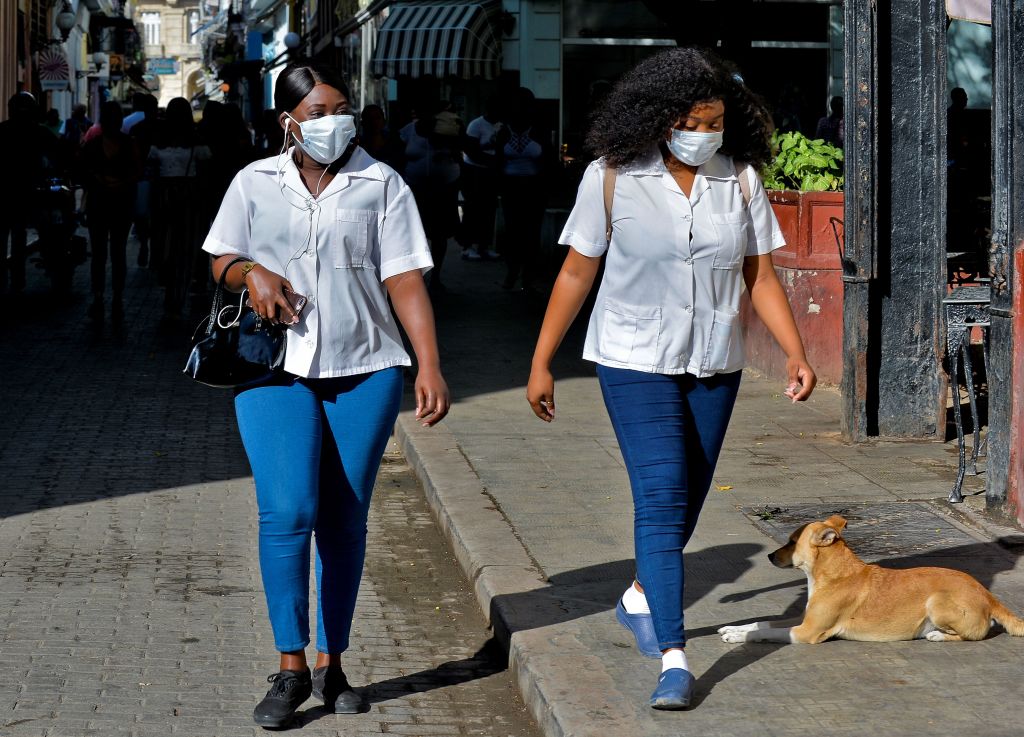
point(694, 148)
point(325, 139)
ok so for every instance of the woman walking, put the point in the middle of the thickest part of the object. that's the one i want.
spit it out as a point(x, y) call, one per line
point(325, 221)
point(176, 165)
point(112, 168)
point(675, 205)
point(526, 159)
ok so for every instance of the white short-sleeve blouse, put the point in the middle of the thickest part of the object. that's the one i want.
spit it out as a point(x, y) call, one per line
point(336, 249)
point(670, 296)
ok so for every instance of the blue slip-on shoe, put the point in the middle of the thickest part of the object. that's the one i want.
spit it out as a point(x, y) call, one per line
point(642, 627)
point(674, 691)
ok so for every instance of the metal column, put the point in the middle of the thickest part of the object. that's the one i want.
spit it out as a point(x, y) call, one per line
point(912, 221)
point(895, 268)
point(860, 52)
point(1005, 476)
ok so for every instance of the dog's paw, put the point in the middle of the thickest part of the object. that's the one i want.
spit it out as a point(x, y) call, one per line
point(935, 636)
point(734, 637)
point(739, 628)
point(737, 632)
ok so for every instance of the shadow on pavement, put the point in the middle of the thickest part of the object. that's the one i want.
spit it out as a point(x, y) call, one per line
point(490, 659)
point(595, 589)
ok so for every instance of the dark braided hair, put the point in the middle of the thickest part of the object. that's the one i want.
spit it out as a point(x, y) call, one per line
point(651, 98)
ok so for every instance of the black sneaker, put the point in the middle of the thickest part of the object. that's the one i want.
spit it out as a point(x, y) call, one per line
point(331, 686)
point(290, 688)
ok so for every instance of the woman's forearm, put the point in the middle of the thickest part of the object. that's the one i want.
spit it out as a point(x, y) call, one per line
point(570, 291)
point(769, 301)
point(412, 305)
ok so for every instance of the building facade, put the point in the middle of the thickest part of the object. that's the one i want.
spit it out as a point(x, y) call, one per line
point(170, 34)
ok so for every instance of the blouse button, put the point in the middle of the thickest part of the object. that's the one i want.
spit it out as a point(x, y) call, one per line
point(688, 261)
point(688, 308)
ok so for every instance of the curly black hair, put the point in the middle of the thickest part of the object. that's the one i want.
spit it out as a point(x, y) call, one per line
point(650, 99)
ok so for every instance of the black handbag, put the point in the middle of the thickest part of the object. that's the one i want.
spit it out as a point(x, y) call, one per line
point(234, 346)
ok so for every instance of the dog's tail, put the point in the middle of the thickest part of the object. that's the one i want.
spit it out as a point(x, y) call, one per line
point(1010, 622)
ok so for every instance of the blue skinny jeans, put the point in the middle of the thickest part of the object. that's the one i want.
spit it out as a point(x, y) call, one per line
point(670, 431)
point(315, 446)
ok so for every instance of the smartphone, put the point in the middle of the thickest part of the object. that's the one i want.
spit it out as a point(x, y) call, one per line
point(296, 300)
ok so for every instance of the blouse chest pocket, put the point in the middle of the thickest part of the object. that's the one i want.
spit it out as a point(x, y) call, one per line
point(731, 232)
point(353, 238)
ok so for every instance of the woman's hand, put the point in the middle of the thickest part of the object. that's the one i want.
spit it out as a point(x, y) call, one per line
point(267, 298)
point(801, 379)
point(432, 398)
point(540, 393)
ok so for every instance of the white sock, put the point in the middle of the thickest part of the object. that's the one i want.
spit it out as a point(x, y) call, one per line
point(635, 602)
point(674, 659)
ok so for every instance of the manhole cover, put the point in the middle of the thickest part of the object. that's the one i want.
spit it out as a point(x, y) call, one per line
point(874, 531)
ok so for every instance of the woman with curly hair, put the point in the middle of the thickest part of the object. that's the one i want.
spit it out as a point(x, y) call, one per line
point(675, 204)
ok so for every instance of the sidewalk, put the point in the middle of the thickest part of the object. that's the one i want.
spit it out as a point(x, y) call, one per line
point(539, 517)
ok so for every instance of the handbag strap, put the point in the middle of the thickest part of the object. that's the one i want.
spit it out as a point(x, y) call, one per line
point(218, 295)
point(610, 175)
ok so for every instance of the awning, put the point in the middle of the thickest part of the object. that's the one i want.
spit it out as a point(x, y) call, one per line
point(975, 11)
point(445, 39)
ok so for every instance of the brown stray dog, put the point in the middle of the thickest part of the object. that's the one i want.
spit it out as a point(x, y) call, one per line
point(852, 600)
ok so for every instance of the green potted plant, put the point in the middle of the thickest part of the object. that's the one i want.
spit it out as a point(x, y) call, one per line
point(804, 164)
point(804, 184)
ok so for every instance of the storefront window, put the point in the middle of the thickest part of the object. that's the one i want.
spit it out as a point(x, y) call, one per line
point(611, 19)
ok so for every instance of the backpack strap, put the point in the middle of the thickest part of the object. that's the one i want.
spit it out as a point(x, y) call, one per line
point(744, 180)
point(610, 175)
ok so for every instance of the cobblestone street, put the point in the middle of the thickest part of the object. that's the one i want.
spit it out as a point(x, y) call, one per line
point(131, 595)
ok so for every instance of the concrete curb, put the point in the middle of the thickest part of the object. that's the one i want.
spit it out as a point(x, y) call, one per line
point(488, 550)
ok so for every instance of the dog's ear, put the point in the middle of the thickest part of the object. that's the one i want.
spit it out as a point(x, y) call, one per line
point(837, 522)
point(824, 537)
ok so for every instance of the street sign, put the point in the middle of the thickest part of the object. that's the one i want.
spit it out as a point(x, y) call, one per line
point(162, 66)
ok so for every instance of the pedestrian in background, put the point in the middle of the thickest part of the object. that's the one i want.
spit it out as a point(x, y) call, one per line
point(32, 154)
point(479, 183)
point(175, 164)
point(76, 126)
point(375, 137)
point(830, 127)
point(53, 123)
point(326, 221)
point(143, 131)
point(433, 143)
point(527, 162)
point(683, 234)
point(269, 137)
point(112, 168)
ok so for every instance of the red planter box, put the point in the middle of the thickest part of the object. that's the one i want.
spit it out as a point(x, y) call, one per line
point(810, 270)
